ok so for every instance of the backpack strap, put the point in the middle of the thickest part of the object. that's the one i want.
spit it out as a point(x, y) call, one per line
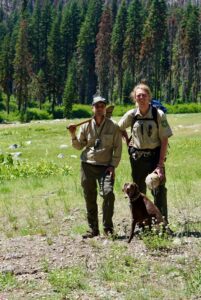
point(134, 119)
point(154, 114)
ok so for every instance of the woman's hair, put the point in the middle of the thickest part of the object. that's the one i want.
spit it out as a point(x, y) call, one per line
point(142, 86)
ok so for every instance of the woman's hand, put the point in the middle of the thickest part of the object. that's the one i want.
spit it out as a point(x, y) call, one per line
point(160, 172)
point(111, 171)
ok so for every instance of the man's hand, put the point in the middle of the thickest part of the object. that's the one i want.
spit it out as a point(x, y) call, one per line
point(111, 171)
point(160, 172)
point(72, 129)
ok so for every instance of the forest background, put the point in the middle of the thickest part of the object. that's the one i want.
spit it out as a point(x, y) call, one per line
point(55, 55)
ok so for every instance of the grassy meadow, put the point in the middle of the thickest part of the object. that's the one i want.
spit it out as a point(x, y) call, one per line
point(40, 195)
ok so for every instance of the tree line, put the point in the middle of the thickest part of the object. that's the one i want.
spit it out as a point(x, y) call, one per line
point(64, 54)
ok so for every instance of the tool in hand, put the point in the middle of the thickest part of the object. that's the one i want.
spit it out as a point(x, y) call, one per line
point(109, 111)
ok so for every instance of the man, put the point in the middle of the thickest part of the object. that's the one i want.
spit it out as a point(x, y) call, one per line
point(148, 143)
point(101, 140)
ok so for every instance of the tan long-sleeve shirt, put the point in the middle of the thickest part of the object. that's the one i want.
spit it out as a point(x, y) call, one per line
point(110, 148)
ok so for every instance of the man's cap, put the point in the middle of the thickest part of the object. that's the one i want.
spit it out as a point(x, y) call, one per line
point(98, 99)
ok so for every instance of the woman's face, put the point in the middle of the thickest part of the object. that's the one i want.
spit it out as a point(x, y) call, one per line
point(143, 99)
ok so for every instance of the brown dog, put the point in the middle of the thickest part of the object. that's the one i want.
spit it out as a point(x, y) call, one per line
point(143, 210)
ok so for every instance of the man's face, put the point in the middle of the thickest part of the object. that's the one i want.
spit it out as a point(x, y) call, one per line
point(99, 109)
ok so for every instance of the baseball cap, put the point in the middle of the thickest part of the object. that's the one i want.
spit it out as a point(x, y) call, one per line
point(98, 99)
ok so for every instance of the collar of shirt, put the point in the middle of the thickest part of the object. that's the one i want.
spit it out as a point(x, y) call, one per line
point(98, 128)
point(148, 115)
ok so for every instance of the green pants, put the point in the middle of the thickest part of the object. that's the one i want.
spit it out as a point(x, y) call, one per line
point(140, 169)
point(90, 175)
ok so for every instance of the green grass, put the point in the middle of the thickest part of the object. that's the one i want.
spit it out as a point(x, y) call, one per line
point(67, 280)
point(44, 186)
point(53, 204)
point(7, 281)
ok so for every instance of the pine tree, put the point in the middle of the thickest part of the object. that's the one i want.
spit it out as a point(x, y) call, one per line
point(102, 52)
point(70, 27)
point(191, 45)
point(46, 22)
point(37, 88)
point(117, 45)
point(70, 91)
point(85, 51)
point(133, 38)
point(54, 62)
point(127, 86)
point(6, 69)
point(35, 35)
point(114, 7)
point(2, 31)
point(154, 34)
point(22, 63)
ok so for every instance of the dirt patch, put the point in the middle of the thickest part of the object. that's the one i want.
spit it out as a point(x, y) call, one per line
point(31, 258)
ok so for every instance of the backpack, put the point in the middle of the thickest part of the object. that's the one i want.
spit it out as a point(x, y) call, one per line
point(155, 104)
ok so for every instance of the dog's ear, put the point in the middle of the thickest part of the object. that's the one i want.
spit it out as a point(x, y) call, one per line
point(124, 187)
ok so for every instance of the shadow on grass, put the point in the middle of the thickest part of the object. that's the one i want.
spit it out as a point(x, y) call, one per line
point(196, 234)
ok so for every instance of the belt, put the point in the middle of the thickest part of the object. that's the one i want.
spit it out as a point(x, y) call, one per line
point(94, 165)
point(138, 153)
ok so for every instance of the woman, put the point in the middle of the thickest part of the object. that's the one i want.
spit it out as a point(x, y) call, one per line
point(148, 143)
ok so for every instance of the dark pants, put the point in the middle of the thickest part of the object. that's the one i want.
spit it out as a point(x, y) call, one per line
point(90, 175)
point(140, 169)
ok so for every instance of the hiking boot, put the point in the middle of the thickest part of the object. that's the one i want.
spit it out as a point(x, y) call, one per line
point(108, 231)
point(90, 234)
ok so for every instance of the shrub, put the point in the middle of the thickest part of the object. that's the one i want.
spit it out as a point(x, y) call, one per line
point(81, 111)
point(10, 169)
point(156, 240)
point(1, 118)
point(34, 114)
point(58, 112)
point(2, 106)
point(183, 108)
point(120, 110)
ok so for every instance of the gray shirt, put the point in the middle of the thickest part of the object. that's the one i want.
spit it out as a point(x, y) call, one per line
point(110, 148)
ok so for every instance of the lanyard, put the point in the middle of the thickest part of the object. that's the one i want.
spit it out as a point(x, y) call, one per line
point(99, 134)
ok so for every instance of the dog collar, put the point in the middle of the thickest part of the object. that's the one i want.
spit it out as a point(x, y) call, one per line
point(135, 198)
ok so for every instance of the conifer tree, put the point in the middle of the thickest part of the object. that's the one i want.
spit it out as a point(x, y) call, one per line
point(2, 30)
point(85, 51)
point(35, 37)
point(6, 69)
point(114, 7)
point(191, 46)
point(154, 34)
point(117, 45)
point(22, 63)
point(102, 52)
point(133, 38)
point(70, 27)
point(54, 62)
point(127, 86)
point(70, 91)
point(37, 88)
point(176, 68)
point(46, 22)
